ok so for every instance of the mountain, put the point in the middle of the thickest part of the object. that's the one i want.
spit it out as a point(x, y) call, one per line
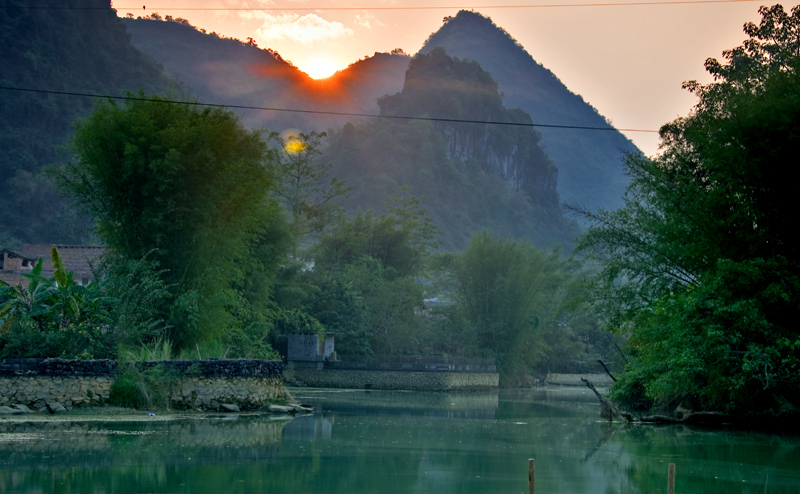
point(589, 165)
point(470, 176)
point(80, 47)
point(232, 72)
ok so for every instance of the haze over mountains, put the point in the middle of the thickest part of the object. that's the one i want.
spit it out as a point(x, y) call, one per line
point(222, 70)
point(580, 165)
point(218, 70)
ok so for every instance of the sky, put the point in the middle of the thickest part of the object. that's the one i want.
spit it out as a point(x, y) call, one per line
point(628, 61)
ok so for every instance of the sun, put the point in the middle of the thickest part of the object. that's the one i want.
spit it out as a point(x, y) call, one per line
point(319, 69)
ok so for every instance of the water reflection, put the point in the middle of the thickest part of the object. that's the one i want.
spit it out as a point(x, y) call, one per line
point(392, 442)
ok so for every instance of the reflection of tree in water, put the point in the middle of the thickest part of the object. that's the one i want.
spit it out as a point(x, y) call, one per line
point(79, 455)
point(707, 460)
point(399, 450)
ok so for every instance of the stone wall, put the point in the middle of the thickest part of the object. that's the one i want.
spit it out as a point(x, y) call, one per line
point(204, 384)
point(575, 379)
point(390, 379)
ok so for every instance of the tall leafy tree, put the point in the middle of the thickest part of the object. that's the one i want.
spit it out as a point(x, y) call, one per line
point(311, 196)
point(502, 290)
point(715, 207)
point(187, 187)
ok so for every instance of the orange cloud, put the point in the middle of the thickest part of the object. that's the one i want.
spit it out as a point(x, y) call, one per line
point(306, 29)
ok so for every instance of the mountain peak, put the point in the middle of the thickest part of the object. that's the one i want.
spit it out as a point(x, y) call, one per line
point(589, 161)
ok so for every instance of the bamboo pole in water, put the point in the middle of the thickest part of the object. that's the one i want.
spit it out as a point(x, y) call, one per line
point(530, 475)
point(671, 479)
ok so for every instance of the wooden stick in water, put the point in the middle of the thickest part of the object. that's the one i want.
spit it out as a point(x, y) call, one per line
point(530, 475)
point(671, 479)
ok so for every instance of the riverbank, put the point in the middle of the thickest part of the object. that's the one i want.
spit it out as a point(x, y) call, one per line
point(210, 384)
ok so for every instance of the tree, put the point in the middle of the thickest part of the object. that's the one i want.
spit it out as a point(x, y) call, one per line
point(401, 240)
point(308, 192)
point(501, 289)
point(55, 317)
point(713, 206)
point(184, 185)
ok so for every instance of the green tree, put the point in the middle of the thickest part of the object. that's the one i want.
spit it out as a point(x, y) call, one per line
point(364, 285)
point(502, 290)
point(401, 240)
point(185, 186)
point(55, 317)
point(306, 188)
point(714, 205)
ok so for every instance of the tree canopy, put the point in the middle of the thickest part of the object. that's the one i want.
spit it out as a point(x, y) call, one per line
point(185, 186)
point(701, 260)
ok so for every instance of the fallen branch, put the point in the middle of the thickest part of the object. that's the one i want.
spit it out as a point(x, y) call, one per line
point(607, 409)
point(607, 371)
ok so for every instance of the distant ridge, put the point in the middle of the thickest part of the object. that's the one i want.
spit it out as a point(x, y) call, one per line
point(228, 71)
point(589, 165)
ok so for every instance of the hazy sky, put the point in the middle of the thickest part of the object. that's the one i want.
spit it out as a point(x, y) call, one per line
point(628, 61)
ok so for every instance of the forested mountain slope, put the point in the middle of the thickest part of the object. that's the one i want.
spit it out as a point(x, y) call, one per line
point(84, 49)
point(589, 164)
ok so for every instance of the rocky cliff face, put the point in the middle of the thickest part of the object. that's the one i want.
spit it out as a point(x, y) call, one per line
point(460, 95)
point(589, 161)
point(477, 164)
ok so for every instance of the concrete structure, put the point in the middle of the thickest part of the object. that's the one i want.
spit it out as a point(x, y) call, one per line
point(309, 347)
point(322, 376)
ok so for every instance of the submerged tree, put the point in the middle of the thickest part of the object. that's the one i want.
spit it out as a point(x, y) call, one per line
point(187, 187)
point(702, 260)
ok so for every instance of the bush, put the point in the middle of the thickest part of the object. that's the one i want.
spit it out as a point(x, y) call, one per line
point(151, 388)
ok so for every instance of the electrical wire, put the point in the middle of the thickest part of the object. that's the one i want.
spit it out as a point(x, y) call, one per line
point(319, 112)
point(395, 7)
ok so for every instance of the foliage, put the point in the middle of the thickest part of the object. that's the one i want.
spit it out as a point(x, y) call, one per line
point(501, 291)
point(158, 350)
point(338, 307)
point(55, 317)
point(149, 388)
point(401, 239)
point(726, 345)
point(185, 186)
point(701, 264)
point(140, 298)
point(311, 196)
point(89, 53)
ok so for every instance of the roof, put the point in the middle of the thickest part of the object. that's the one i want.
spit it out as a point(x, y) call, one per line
point(77, 258)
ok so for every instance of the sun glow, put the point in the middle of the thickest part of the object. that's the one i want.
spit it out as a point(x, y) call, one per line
point(319, 69)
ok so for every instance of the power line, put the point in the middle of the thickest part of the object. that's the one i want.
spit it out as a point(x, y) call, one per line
point(319, 112)
point(396, 7)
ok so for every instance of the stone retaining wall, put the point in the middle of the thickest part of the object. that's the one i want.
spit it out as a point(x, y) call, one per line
point(205, 384)
point(575, 379)
point(387, 379)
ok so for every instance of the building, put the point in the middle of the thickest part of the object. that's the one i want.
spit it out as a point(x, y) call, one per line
point(77, 258)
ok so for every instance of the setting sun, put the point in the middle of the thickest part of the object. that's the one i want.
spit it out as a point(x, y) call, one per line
point(319, 69)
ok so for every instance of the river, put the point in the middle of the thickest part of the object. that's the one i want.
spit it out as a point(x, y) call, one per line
point(393, 442)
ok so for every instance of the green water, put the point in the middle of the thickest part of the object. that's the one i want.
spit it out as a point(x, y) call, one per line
point(395, 442)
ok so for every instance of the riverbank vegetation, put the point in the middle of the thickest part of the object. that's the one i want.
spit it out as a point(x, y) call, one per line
point(700, 267)
point(222, 241)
